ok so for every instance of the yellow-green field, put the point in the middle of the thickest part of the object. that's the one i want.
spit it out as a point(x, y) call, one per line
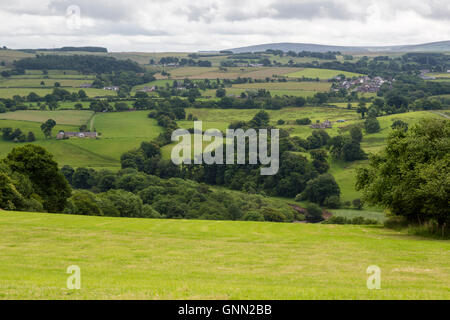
point(230, 73)
point(120, 132)
point(322, 74)
point(11, 92)
point(122, 258)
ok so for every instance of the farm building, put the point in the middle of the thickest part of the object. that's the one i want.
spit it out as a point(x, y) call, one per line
point(66, 135)
point(86, 85)
point(147, 89)
point(324, 125)
point(113, 88)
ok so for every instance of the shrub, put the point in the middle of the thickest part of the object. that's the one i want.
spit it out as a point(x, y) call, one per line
point(254, 216)
point(332, 202)
point(273, 215)
point(313, 213)
point(372, 125)
point(396, 222)
point(354, 221)
point(303, 122)
point(357, 204)
point(281, 122)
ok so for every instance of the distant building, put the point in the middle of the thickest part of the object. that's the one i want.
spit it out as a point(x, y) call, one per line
point(113, 88)
point(324, 125)
point(86, 85)
point(147, 89)
point(66, 135)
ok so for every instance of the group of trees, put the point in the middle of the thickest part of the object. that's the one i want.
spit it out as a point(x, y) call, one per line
point(16, 135)
point(294, 173)
point(130, 193)
point(82, 63)
point(30, 181)
point(348, 148)
point(411, 177)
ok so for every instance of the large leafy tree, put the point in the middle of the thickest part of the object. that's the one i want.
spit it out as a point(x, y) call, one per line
point(411, 177)
point(47, 127)
point(47, 181)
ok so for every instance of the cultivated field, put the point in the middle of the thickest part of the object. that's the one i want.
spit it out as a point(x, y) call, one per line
point(229, 73)
point(120, 132)
point(124, 258)
point(323, 74)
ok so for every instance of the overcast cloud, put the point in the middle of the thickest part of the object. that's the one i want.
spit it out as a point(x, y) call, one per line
point(175, 25)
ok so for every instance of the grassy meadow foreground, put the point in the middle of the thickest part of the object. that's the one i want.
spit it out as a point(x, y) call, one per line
point(175, 259)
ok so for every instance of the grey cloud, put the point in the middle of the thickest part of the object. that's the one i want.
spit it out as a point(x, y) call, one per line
point(105, 10)
point(199, 13)
point(312, 9)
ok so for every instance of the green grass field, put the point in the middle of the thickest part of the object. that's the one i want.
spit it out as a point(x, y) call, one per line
point(124, 258)
point(120, 132)
point(322, 74)
point(23, 92)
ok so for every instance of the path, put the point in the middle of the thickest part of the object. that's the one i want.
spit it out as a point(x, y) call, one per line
point(91, 123)
point(441, 114)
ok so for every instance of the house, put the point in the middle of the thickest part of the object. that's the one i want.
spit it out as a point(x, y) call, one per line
point(66, 135)
point(147, 89)
point(113, 88)
point(324, 125)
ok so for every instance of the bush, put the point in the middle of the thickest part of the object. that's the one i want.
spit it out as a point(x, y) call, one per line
point(303, 122)
point(321, 188)
point(273, 215)
point(253, 216)
point(396, 223)
point(313, 213)
point(281, 122)
point(354, 221)
point(332, 202)
point(357, 204)
point(372, 125)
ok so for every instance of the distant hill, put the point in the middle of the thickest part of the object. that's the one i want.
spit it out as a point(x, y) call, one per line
point(443, 46)
point(68, 49)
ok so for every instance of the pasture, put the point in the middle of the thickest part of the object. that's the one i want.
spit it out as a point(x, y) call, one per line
point(122, 258)
point(230, 73)
point(120, 132)
point(322, 74)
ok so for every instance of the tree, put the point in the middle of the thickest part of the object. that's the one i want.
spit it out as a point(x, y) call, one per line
point(400, 125)
point(47, 127)
point(127, 203)
point(31, 137)
point(319, 189)
point(411, 177)
point(372, 125)
point(220, 93)
point(38, 165)
point(314, 213)
point(362, 109)
point(356, 134)
point(83, 178)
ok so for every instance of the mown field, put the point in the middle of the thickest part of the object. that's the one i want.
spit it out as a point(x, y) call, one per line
point(120, 132)
point(124, 258)
point(322, 74)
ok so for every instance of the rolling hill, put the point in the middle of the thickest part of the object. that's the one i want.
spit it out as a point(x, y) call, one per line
point(442, 46)
point(122, 258)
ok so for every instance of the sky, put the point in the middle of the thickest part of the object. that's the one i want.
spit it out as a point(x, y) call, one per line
point(201, 25)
